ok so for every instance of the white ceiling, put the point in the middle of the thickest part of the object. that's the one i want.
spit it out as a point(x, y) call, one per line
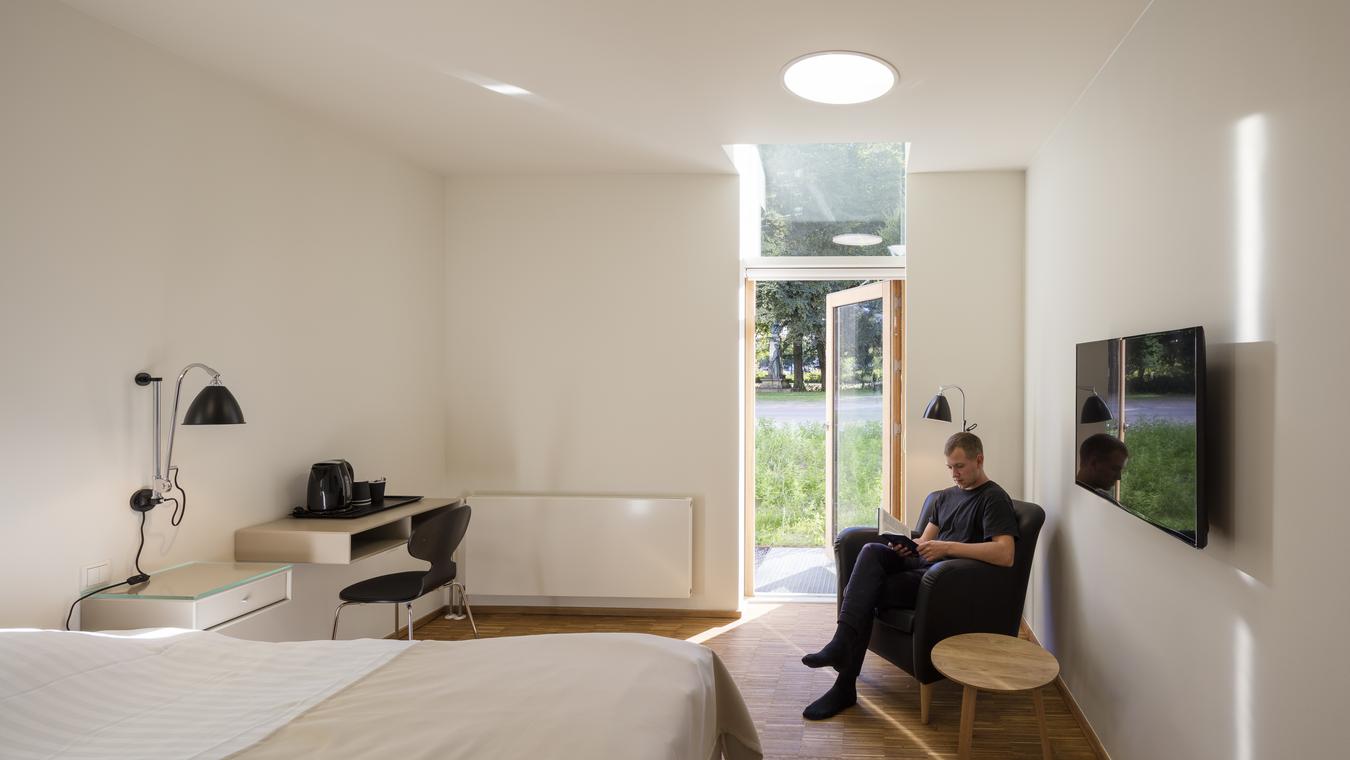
point(648, 85)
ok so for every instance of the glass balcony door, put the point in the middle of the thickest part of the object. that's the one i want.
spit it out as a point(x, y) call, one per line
point(863, 399)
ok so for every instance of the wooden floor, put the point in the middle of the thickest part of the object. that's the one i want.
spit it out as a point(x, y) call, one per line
point(763, 651)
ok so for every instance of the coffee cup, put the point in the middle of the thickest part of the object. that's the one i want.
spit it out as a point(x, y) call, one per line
point(361, 492)
point(377, 490)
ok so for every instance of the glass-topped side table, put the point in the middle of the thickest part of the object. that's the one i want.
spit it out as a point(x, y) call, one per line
point(204, 596)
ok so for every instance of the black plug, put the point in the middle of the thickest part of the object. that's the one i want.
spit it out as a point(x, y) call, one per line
point(136, 580)
point(144, 500)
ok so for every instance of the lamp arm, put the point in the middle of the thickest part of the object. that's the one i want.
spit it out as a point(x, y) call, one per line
point(162, 485)
point(964, 427)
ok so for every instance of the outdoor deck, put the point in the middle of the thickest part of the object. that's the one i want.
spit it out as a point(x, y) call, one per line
point(787, 570)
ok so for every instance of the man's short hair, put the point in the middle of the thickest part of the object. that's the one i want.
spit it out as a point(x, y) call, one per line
point(967, 442)
point(1099, 446)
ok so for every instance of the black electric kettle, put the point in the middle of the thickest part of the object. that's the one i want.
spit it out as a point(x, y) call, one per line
point(330, 486)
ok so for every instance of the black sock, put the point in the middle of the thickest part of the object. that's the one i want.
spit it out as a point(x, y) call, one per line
point(838, 652)
point(842, 695)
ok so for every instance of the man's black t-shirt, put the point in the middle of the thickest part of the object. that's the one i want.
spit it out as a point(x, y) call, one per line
point(974, 516)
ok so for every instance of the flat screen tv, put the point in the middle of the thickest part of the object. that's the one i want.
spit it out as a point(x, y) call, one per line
point(1140, 416)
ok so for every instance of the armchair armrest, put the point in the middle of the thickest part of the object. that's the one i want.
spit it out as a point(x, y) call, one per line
point(962, 596)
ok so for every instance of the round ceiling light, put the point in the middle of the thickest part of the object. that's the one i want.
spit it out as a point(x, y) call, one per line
point(856, 238)
point(839, 77)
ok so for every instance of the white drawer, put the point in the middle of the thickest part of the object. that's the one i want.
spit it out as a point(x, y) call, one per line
point(241, 600)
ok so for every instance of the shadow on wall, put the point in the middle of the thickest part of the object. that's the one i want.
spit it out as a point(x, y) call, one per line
point(1240, 451)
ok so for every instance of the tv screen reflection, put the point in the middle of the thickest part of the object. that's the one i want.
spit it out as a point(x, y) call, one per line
point(1145, 456)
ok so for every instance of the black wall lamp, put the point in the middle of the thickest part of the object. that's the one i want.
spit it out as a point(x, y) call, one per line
point(214, 405)
point(939, 409)
point(1094, 409)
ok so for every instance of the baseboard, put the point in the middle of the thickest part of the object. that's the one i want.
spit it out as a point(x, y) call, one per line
point(607, 611)
point(1077, 711)
point(402, 633)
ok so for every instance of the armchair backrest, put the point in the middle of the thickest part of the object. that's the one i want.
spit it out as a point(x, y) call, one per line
point(1030, 519)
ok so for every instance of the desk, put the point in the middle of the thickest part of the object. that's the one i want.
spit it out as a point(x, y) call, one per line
point(331, 541)
point(204, 596)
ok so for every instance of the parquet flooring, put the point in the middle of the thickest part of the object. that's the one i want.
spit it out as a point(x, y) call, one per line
point(763, 651)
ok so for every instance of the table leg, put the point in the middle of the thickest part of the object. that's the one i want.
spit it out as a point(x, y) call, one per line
point(1040, 721)
point(967, 722)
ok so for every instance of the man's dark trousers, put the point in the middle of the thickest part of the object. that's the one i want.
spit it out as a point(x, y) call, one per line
point(880, 578)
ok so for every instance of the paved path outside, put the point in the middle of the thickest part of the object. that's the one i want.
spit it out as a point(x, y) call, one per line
point(851, 409)
point(793, 570)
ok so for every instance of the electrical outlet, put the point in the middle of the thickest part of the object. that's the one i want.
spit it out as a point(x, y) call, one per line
point(96, 575)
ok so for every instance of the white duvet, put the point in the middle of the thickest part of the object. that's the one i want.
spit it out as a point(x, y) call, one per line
point(173, 694)
point(163, 694)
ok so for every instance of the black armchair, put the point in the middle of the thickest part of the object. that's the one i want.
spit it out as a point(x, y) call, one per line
point(956, 596)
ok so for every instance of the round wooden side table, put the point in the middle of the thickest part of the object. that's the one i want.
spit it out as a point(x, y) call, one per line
point(995, 662)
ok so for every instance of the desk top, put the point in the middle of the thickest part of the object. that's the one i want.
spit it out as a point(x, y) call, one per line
point(333, 541)
point(352, 525)
point(194, 580)
point(994, 662)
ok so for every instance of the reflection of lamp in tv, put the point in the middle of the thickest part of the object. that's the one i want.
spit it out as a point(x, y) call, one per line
point(939, 409)
point(1094, 409)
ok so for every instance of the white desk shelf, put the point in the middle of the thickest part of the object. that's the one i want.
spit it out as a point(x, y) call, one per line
point(203, 596)
point(325, 541)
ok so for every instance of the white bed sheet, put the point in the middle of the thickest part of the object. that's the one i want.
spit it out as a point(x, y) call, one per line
point(163, 694)
point(175, 694)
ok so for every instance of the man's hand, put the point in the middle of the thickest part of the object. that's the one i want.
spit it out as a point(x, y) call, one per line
point(932, 551)
point(902, 550)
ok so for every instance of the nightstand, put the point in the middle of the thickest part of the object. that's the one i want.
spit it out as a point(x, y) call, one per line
point(205, 596)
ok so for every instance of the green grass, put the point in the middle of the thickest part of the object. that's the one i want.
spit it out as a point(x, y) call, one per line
point(1159, 479)
point(790, 480)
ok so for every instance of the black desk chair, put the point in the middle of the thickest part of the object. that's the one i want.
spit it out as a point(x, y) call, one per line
point(435, 541)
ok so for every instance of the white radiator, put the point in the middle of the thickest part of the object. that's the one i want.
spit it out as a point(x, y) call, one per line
point(605, 546)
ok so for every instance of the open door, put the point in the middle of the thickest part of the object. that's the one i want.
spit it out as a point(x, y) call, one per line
point(864, 399)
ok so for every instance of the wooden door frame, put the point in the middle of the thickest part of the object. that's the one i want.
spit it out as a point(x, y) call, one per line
point(893, 399)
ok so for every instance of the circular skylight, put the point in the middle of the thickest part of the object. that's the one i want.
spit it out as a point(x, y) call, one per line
point(856, 238)
point(839, 77)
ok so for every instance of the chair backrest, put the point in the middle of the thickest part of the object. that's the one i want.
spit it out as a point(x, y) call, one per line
point(435, 541)
point(1030, 519)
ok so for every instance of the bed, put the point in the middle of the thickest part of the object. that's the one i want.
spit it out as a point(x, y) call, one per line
point(169, 693)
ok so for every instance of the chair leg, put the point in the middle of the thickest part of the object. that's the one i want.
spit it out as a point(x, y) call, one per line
point(395, 606)
point(410, 621)
point(455, 611)
point(337, 613)
point(925, 700)
point(456, 586)
point(469, 610)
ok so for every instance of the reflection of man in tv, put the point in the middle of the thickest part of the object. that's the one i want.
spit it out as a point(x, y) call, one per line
point(1101, 460)
point(973, 519)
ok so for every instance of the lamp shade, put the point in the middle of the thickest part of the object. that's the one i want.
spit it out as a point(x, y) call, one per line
point(1094, 410)
point(938, 409)
point(215, 405)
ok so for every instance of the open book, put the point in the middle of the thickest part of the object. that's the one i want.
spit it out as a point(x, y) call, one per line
point(893, 531)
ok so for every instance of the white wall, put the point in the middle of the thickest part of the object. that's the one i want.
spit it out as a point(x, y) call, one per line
point(151, 215)
point(592, 326)
point(1203, 179)
point(964, 322)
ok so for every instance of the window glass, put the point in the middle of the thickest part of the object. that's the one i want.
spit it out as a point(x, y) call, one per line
point(815, 193)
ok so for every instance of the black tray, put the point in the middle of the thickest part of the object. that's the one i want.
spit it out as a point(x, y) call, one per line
point(389, 502)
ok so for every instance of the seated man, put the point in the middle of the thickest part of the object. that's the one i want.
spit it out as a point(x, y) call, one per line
point(973, 519)
point(1101, 460)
